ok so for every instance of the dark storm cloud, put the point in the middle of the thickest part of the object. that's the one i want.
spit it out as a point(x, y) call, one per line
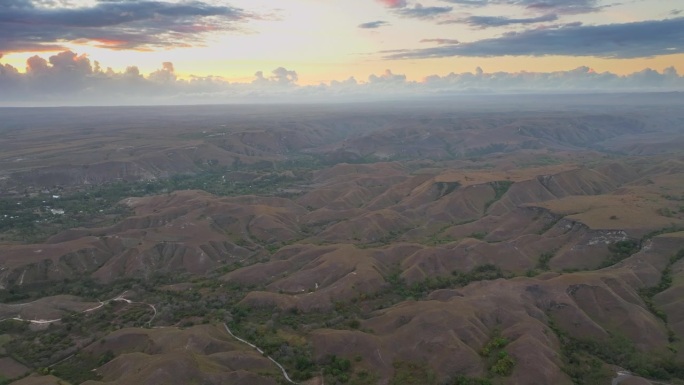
point(500, 21)
point(27, 26)
point(421, 12)
point(628, 40)
point(373, 24)
point(546, 6)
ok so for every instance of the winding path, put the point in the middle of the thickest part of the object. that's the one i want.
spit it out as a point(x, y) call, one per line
point(282, 369)
point(119, 298)
point(623, 375)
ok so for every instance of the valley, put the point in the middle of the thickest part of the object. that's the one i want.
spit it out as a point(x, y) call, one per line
point(515, 241)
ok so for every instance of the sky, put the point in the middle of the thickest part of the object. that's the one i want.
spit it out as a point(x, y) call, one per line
point(175, 51)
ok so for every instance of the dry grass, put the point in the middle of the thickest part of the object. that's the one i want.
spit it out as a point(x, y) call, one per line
point(40, 380)
point(469, 178)
point(629, 211)
point(10, 368)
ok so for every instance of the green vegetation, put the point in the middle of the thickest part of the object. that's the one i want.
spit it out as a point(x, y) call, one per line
point(446, 188)
point(44, 348)
point(540, 160)
point(500, 188)
point(666, 212)
point(648, 293)
point(439, 239)
point(30, 218)
point(504, 365)
point(478, 235)
point(619, 251)
point(336, 370)
point(412, 373)
point(673, 197)
point(277, 332)
point(79, 368)
point(40, 349)
point(87, 287)
point(544, 259)
point(399, 287)
point(581, 366)
point(494, 345)
point(549, 225)
point(486, 150)
point(205, 301)
point(463, 380)
point(387, 239)
point(499, 362)
point(363, 377)
point(353, 303)
point(666, 230)
point(436, 240)
point(13, 326)
point(666, 278)
point(291, 350)
point(585, 358)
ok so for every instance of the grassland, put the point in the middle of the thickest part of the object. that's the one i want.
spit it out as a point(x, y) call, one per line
point(476, 248)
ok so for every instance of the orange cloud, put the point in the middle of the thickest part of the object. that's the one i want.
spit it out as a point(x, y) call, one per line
point(393, 3)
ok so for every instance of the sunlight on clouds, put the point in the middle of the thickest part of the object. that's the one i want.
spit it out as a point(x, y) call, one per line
point(302, 33)
point(70, 78)
point(322, 41)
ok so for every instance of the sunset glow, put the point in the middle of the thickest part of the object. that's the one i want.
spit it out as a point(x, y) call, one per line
point(335, 41)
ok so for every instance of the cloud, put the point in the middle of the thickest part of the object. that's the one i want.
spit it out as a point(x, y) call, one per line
point(675, 12)
point(167, 74)
point(627, 40)
point(393, 3)
point(420, 12)
point(387, 78)
point(374, 24)
point(500, 21)
point(9, 77)
point(30, 25)
point(545, 6)
point(280, 76)
point(440, 41)
point(68, 78)
point(581, 79)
